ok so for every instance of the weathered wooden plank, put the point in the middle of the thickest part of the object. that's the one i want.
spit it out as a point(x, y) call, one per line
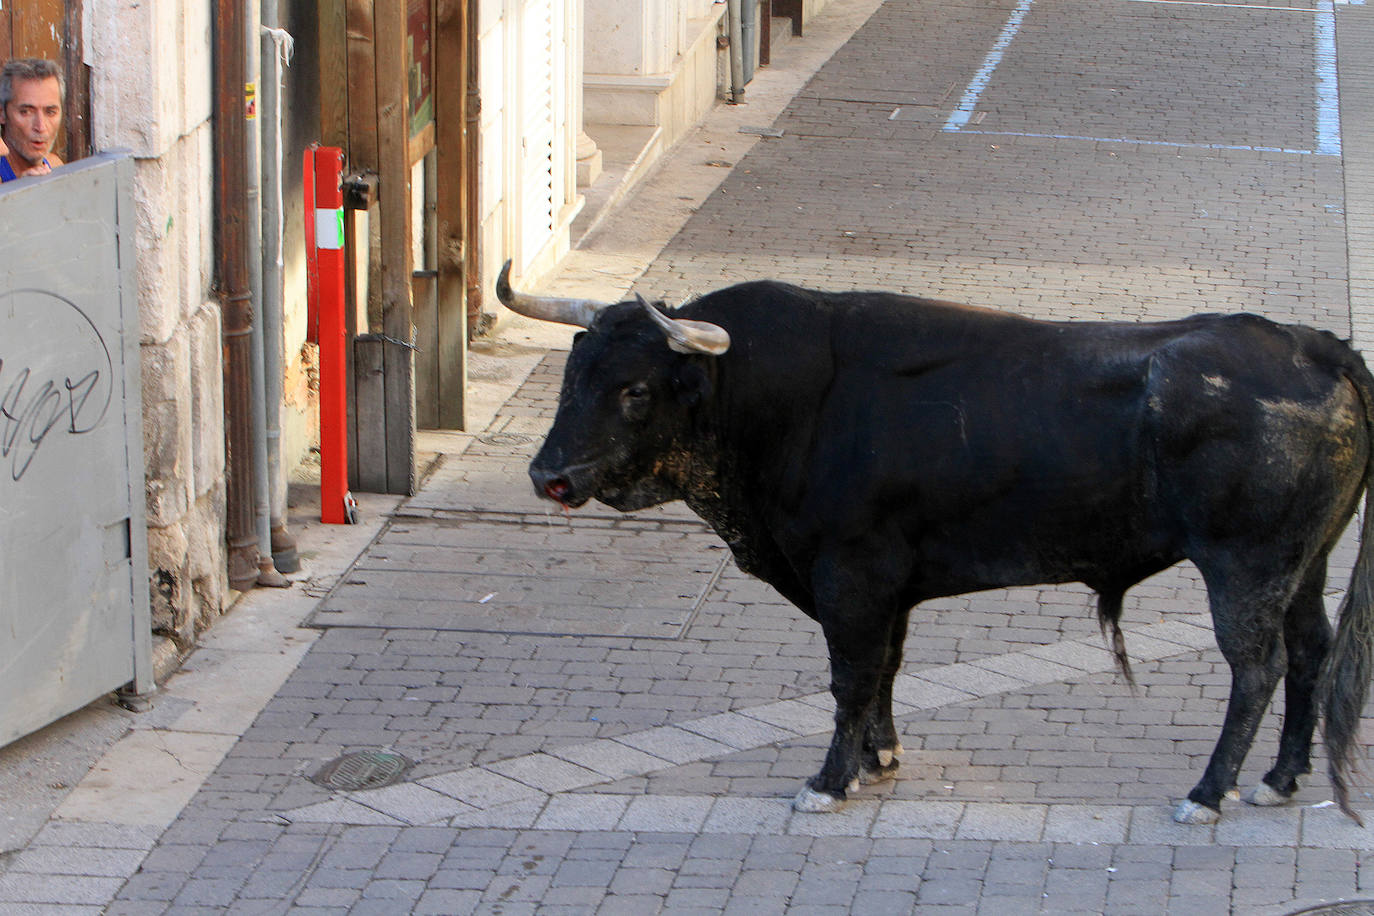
point(400, 418)
point(427, 350)
point(420, 145)
point(332, 35)
point(394, 169)
point(76, 120)
point(361, 71)
point(355, 276)
point(450, 115)
point(38, 28)
point(369, 400)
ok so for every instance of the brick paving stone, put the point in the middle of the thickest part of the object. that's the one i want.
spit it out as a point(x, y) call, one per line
point(994, 821)
point(666, 814)
point(582, 812)
point(675, 744)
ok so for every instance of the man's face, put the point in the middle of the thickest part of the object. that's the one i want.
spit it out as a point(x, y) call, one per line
point(32, 117)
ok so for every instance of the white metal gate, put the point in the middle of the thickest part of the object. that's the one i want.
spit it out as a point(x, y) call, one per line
point(74, 619)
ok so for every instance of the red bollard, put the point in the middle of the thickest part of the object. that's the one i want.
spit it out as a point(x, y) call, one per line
point(324, 242)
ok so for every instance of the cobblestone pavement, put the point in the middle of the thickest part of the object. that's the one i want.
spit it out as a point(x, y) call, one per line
point(605, 716)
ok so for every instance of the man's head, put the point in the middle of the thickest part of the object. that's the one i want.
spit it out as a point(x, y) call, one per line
point(31, 93)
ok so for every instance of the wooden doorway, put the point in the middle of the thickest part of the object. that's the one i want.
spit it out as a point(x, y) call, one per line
point(52, 29)
point(397, 95)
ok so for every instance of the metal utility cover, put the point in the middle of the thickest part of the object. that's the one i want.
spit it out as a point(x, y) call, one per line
point(362, 770)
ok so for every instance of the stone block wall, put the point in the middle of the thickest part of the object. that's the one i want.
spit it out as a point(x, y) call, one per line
point(152, 93)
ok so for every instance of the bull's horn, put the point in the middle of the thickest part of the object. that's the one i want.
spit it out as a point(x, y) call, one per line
point(579, 312)
point(688, 336)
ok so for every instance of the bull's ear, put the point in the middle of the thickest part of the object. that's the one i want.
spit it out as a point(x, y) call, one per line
point(692, 384)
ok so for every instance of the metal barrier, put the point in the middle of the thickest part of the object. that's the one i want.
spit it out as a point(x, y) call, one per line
point(74, 616)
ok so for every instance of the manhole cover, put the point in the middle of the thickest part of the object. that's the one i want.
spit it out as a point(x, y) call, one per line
point(362, 770)
point(1343, 908)
point(505, 439)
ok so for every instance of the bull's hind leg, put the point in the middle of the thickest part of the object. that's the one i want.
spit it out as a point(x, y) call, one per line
point(1307, 638)
point(1248, 623)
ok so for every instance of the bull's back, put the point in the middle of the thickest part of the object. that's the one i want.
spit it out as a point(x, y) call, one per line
point(1011, 452)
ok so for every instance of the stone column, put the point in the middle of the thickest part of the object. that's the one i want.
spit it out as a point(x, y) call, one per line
point(588, 154)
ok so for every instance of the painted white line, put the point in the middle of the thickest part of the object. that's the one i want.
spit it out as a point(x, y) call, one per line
point(1328, 102)
point(960, 116)
point(1128, 140)
point(1233, 6)
point(1328, 140)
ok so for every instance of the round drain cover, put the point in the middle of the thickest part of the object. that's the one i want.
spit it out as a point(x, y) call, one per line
point(505, 439)
point(362, 770)
point(1341, 908)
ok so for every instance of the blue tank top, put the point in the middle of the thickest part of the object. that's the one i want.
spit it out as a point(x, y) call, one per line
point(7, 173)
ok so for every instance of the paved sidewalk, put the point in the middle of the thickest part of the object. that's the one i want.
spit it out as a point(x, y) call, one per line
point(602, 715)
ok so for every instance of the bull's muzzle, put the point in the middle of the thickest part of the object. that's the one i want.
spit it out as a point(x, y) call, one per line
point(551, 486)
point(558, 485)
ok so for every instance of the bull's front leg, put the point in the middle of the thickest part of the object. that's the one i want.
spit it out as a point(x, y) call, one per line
point(881, 746)
point(859, 658)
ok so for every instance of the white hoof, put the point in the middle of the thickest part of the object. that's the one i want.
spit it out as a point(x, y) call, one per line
point(809, 801)
point(1265, 796)
point(1190, 812)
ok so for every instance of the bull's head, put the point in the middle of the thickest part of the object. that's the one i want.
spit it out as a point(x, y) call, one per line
point(622, 429)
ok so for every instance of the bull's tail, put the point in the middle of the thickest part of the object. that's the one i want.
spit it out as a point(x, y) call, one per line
point(1345, 675)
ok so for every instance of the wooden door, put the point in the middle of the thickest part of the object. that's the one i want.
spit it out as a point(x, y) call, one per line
point(389, 99)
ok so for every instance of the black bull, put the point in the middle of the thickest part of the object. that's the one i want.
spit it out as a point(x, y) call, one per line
point(864, 452)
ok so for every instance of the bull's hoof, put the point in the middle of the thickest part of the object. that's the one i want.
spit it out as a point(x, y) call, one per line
point(1265, 796)
point(871, 775)
point(815, 801)
point(885, 757)
point(1190, 812)
point(810, 801)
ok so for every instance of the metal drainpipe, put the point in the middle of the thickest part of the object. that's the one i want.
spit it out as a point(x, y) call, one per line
point(733, 13)
point(262, 501)
point(472, 215)
point(749, 24)
point(231, 186)
point(283, 546)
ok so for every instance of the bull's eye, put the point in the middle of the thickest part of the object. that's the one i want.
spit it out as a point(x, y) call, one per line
point(634, 401)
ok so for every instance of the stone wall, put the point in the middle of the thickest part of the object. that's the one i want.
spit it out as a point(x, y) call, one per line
point(152, 93)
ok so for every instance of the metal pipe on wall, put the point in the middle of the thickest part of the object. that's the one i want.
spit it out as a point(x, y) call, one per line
point(262, 505)
point(472, 216)
point(749, 25)
point(276, 47)
point(733, 12)
point(231, 209)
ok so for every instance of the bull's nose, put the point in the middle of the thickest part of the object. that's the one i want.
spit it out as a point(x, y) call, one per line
point(551, 485)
